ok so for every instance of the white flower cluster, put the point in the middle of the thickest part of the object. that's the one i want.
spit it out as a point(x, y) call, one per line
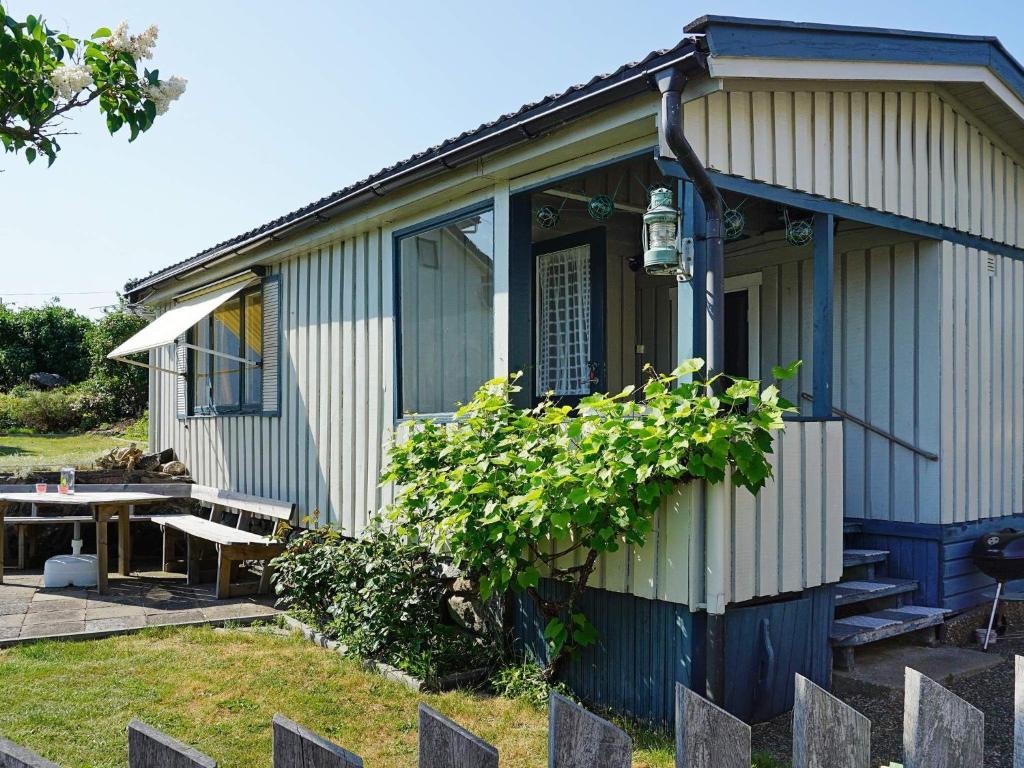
point(166, 91)
point(70, 79)
point(139, 46)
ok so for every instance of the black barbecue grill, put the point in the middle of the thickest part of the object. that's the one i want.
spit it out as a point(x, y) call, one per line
point(999, 555)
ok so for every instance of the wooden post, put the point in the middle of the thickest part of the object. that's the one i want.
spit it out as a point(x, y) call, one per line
point(826, 732)
point(13, 756)
point(940, 730)
point(21, 530)
point(223, 574)
point(149, 748)
point(298, 747)
point(444, 744)
point(708, 736)
point(3, 538)
point(124, 541)
point(167, 548)
point(580, 739)
point(1018, 712)
point(824, 266)
point(102, 566)
point(192, 557)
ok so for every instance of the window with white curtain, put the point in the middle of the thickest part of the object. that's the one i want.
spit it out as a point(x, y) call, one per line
point(563, 321)
point(446, 313)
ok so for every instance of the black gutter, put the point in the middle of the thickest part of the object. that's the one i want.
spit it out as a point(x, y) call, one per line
point(503, 135)
point(671, 83)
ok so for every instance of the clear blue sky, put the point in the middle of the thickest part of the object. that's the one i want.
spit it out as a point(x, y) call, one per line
point(289, 101)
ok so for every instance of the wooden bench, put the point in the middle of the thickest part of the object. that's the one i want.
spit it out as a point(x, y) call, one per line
point(233, 544)
point(23, 523)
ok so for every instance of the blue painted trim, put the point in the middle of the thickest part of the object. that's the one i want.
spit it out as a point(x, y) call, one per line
point(824, 266)
point(764, 38)
point(396, 257)
point(520, 292)
point(817, 204)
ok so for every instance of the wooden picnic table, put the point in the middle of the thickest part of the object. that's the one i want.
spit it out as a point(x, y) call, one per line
point(103, 507)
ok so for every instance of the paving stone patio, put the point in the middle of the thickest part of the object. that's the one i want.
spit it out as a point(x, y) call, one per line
point(148, 599)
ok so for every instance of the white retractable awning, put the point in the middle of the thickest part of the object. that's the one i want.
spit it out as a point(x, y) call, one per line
point(166, 328)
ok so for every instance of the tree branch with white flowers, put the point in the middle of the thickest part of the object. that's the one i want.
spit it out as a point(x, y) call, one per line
point(46, 75)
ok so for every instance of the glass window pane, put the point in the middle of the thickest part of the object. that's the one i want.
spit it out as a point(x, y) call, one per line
point(446, 296)
point(201, 366)
point(227, 374)
point(253, 347)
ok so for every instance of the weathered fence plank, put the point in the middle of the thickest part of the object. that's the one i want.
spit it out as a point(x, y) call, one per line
point(707, 736)
point(940, 730)
point(580, 739)
point(1018, 712)
point(298, 747)
point(444, 744)
point(826, 732)
point(150, 748)
point(13, 756)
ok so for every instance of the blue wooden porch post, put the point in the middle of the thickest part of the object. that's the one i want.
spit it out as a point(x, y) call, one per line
point(824, 265)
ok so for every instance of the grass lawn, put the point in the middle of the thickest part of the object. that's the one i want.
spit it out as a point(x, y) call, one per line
point(46, 451)
point(217, 690)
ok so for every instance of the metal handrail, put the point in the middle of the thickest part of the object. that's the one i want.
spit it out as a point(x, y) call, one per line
point(877, 430)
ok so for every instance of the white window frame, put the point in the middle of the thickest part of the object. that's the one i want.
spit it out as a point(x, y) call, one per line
point(751, 283)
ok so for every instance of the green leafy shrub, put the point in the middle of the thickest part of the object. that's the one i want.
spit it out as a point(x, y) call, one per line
point(125, 386)
point(49, 339)
point(52, 411)
point(93, 404)
point(512, 494)
point(383, 598)
point(526, 681)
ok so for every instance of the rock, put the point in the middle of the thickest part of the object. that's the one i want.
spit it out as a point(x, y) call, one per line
point(47, 380)
point(449, 571)
point(148, 461)
point(464, 587)
point(174, 468)
point(468, 614)
point(166, 456)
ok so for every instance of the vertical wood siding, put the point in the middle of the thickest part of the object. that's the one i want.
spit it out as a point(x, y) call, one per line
point(982, 385)
point(786, 538)
point(325, 450)
point(885, 365)
point(912, 153)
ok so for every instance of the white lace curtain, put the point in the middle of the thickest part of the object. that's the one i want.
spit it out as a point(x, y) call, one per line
point(563, 322)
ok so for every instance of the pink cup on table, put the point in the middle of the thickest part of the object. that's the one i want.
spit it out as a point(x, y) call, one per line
point(40, 487)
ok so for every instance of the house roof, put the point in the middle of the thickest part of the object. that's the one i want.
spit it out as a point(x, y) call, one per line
point(721, 36)
point(524, 123)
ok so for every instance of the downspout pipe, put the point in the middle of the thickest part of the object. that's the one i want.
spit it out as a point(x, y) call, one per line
point(671, 82)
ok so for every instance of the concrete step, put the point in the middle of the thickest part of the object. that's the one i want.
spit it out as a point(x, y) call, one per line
point(878, 625)
point(855, 557)
point(859, 591)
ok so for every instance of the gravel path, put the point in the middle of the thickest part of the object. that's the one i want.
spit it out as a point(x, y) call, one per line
point(990, 691)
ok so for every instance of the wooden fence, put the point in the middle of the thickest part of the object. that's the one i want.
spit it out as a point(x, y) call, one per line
point(940, 730)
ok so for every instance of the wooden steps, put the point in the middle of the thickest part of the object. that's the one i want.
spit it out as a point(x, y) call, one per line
point(853, 631)
point(850, 592)
point(854, 557)
point(860, 585)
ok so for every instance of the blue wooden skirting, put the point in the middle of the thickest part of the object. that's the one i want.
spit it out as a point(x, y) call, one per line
point(646, 646)
point(938, 556)
point(766, 644)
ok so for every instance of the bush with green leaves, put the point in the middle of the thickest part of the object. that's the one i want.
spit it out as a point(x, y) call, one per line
point(50, 339)
point(512, 494)
point(382, 597)
point(52, 411)
point(126, 386)
point(46, 76)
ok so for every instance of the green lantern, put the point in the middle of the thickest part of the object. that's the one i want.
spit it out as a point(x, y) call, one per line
point(660, 234)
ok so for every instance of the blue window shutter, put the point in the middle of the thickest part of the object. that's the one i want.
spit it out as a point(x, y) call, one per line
point(271, 345)
point(181, 380)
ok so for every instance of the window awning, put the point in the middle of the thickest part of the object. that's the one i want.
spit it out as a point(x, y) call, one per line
point(166, 328)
